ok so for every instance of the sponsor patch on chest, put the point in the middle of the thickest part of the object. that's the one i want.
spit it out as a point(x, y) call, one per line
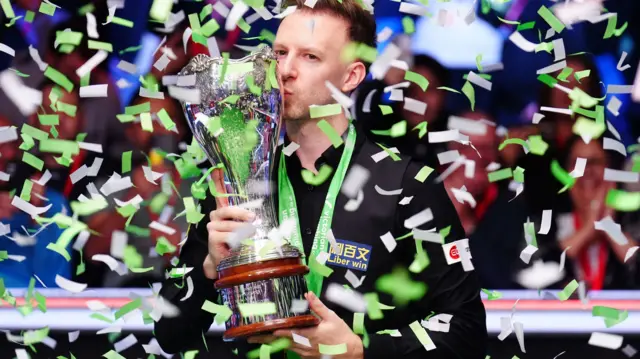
point(350, 255)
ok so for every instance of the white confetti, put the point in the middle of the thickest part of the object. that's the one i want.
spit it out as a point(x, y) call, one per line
point(381, 65)
point(353, 204)
point(353, 279)
point(111, 262)
point(112, 13)
point(405, 201)
point(450, 156)
point(479, 81)
point(546, 221)
point(189, 289)
point(524, 44)
point(186, 80)
point(558, 49)
point(388, 241)
point(536, 118)
point(7, 50)
point(26, 99)
point(191, 96)
point(384, 34)
point(288, 11)
point(299, 306)
point(620, 65)
point(438, 323)
point(377, 157)
point(419, 219)
point(606, 340)
point(94, 91)
point(69, 285)
point(619, 89)
point(611, 144)
point(135, 201)
point(540, 275)
point(33, 52)
point(629, 351)
point(413, 9)
point(635, 95)
point(44, 178)
point(564, 111)
point(614, 175)
point(290, 149)
point(92, 147)
point(79, 174)
point(517, 327)
point(415, 106)
point(505, 328)
point(463, 197)
point(345, 101)
point(91, 64)
point(444, 136)
point(185, 38)
point(22, 354)
point(527, 252)
point(552, 68)
point(630, 252)
point(73, 336)
point(123, 84)
point(162, 62)
point(116, 328)
point(613, 230)
point(614, 106)
point(81, 240)
point(578, 169)
point(347, 298)
point(427, 235)
point(563, 258)
point(27, 207)
point(92, 26)
point(236, 13)
point(355, 180)
point(115, 183)
point(383, 192)
point(119, 240)
point(468, 126)
point(493, 67)
point(125, 343)
point(162, 228)
point(299, 339)
point(127, 67)
point(4, 176)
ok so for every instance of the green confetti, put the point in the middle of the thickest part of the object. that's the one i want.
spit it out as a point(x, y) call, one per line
point(336, 349)
point(421, 334)
point(36, 133)
point(478, 62)
point(386, 109)
point(27, 142)
point(163, 246)
point(35, 336)
point(112, 354)
point(623, 201)
point(526, 26)
point(206, 11)
point(266, 350)
point(257, 309)
point(18, 72)
point(422, 128)
point(408, 25)
point(319, 268)
point(223, 68)
point(101, 317)
point(513, 141)
point(399, 285)
point(317, 179)
point(128, 308)
point(273, 80)
point(126, 161)
point(81, 267)
point(7, 9)
point(568, 290)
point(537, 145)
point(222, 312)
point(146, 121)
point(421, 260)
point(561, 175)
point(100, 45)
point(130, 49)
point(25, 194)
point(518, 174)
point(122, 22)
point(160, 10)
point(86, 9)
point(564, 74)
point(417, 79)
point(232, 99)
point(373, 306)
point(166, 120)
point(210, 28)
point(193, 214)
point(66, 108)
point(29, 16)
point(611, 27)
point(158, 202)
point(32, 160)
point(500, 174)
point(547, 80)
point(551, 19)
point(69, 37)
point(191, 354)
point(492, 294)
point(587, 128)
point(89, 206)
point(49, 120)
point(138, 109)
point(57, 77)
point(325, 110)
point(398, 129)
point(131, 258)
point(424, 172)
point(508, 22)
point(66, 147)
point(391, 154)
point(582, 74)
point(47, 8)
point(267, 35)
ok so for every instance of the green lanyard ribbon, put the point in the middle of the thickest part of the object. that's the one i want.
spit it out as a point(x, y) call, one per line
point(289, 209)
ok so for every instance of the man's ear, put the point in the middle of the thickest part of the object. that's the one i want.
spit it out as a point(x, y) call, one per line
point(355, 74)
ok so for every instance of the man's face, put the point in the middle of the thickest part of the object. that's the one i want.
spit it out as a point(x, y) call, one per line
point(308, 47)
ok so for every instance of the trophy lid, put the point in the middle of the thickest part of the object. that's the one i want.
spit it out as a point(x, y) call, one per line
point(247, 254)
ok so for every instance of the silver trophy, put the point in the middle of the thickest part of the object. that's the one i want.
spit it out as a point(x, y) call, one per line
point(237, 123)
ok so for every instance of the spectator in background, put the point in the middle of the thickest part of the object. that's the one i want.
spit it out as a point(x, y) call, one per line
point(435, 115)
point(71, 121)
point(492, 218)
point(28, 239)
point(593, 256)
point(555, 129)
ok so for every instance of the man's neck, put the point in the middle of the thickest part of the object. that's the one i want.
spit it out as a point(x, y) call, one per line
point(313, 142)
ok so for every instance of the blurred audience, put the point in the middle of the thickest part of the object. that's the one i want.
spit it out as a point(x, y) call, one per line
point(595, 256)
point(491, 214)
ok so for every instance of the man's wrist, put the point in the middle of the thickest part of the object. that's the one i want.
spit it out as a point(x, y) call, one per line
point(357, 350)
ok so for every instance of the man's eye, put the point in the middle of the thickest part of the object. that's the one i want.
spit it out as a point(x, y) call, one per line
point(312, 57)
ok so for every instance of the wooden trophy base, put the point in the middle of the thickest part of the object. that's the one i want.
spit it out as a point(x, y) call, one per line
point(270, 326)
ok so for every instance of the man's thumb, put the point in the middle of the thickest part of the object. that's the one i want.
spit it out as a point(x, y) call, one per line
point(316, 305)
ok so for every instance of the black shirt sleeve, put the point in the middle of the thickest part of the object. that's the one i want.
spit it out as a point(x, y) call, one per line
point(184, 331)
point(451, 290)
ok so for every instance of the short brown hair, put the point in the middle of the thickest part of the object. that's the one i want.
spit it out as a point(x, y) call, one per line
point(362, 25)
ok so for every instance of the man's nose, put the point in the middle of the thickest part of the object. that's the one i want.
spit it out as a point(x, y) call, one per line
point(287, 67)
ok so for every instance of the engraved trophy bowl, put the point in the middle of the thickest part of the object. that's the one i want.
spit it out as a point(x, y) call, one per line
point(237, 123)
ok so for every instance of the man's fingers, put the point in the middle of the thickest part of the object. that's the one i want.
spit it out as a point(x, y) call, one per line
point(233, 213)
point(318, 307)
point(283, 333)
point(225, 226)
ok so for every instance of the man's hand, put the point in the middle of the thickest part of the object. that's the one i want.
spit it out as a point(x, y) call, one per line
point(223, 221)
point(332, 330)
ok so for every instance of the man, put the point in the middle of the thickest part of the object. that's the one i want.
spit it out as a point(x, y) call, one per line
point(308, 56)
point(492, 217)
